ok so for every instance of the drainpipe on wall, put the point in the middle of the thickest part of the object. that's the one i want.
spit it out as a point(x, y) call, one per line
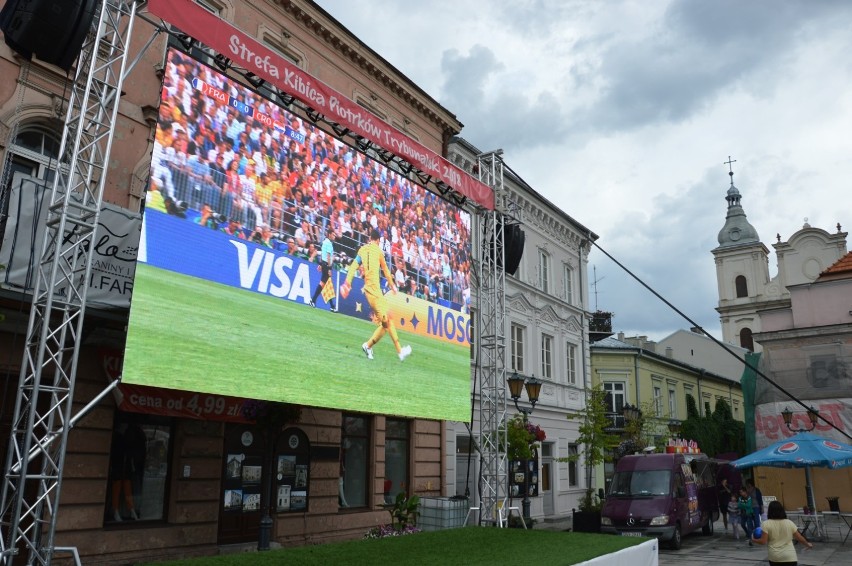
point(583, 334)
point(636, 375)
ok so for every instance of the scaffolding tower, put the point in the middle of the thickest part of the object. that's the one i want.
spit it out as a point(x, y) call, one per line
point(491, 316)
point(43, 410)
point(42, 417)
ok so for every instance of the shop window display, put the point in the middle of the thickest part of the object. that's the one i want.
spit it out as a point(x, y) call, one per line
point(139, 468)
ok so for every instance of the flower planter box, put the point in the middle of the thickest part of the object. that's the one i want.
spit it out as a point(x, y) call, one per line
point(586, 522)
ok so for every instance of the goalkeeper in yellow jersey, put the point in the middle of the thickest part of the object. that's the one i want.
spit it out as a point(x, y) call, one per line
point(371, 260)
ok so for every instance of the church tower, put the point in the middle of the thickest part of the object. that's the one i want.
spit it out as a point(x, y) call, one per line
point(742, 269)
point(742, 273)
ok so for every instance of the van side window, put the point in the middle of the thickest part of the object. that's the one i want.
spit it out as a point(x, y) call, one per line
point(679, 485)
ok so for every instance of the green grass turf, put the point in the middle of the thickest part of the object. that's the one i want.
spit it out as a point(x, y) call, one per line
point(466, 546)
point(196, 335)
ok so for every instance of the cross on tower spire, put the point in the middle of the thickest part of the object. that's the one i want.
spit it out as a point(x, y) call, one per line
point(730, 168)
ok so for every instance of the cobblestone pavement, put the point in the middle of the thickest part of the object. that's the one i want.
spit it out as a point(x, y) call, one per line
point(721, 549)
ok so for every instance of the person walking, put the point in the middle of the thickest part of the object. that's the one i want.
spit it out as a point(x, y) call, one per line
point(777, 533)
point(733, 513)
point(725, 495)
point(746, 513)
point(325, 266)
point(756, 501)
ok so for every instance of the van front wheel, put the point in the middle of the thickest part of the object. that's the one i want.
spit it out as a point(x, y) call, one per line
point(676, 539)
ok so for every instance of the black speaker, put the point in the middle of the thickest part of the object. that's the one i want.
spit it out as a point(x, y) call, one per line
point(513, 239)
point(52, 30)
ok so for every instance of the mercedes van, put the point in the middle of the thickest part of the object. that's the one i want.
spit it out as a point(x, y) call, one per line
point(661, 495)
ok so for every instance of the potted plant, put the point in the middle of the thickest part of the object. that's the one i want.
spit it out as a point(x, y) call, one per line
point(587, 519)
point(523, 438)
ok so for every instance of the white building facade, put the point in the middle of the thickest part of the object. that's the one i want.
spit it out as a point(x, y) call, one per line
point(546, 337)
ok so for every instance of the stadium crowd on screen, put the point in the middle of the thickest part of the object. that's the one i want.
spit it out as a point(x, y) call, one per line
point(231, 160)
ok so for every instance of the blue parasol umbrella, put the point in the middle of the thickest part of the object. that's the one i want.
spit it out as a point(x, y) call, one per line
point(803, 450)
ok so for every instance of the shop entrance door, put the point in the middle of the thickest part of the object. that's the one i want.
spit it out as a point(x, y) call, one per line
point(240, 504)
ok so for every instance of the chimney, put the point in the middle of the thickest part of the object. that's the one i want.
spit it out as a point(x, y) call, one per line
point(669, 352)
point(621, 336)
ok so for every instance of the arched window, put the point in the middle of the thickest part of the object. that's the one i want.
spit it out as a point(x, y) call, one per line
point(35, 151)
point(741, 285)
point(746, 341)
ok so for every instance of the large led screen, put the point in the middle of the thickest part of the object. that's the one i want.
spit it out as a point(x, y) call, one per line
point(278, 263)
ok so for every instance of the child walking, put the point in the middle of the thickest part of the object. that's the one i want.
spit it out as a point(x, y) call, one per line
point(734, 516)
point(746, 514)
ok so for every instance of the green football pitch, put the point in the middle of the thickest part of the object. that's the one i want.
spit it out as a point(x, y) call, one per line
point(191, 334)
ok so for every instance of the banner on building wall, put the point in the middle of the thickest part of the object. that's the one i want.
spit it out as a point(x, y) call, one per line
point(770, 428)
point(115, 245)
point(250, 54)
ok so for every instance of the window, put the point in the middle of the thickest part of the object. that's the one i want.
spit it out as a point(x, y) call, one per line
point(746, 340)
point(546, 466)
point(546, 356)
point(35, 152)
point(518, 348)
point(209, 6)
point(707, 412)
point(203, 54)
point(569, 285)
point(543, 271)
point(573, 465)
point(571, 363)
point(354, 458)
point(687, 390)
point(396, 458)
point(825, 371)
point(672, 403)
point(139, 467)
point(279, 43)
point(614, 396)
point(741, 285)
point(658, 401)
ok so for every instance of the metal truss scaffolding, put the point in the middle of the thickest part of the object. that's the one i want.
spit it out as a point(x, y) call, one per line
point(42, 418)
point(490, 319)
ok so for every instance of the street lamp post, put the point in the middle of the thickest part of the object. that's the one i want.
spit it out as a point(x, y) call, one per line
point(517, 384)
point(787, 415)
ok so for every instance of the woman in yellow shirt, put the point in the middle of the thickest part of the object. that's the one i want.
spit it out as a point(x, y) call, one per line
point(778, 534)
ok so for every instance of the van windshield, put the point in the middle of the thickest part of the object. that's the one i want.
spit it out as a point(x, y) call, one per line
point(646, 482)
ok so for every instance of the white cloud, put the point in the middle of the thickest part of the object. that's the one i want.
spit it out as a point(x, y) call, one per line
point(623, 112)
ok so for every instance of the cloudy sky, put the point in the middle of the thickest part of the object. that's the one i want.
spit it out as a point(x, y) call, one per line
point(622, 113)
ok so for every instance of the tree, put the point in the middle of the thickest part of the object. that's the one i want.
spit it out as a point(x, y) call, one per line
point(595, 439)
point(715, 434)
point(731, 431)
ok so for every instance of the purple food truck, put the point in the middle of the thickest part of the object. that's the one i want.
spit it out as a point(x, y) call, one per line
point(662, 495)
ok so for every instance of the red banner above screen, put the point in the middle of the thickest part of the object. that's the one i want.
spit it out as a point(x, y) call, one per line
point(218, 34)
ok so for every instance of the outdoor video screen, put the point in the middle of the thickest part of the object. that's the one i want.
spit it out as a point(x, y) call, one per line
point(278, 263)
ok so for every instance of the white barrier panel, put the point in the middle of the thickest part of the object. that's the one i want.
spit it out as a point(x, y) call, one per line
point(645, 554)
